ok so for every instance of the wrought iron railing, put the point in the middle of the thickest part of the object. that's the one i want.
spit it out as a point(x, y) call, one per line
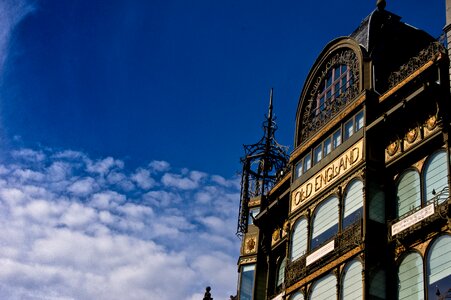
point(345, 241)
point(442, 204)
point(432, 52)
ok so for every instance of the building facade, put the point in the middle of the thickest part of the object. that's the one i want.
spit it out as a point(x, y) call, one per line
point(360, 209)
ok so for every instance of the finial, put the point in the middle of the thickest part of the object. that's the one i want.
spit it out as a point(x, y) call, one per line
point(381, 5)
point(207, 295)
point(270, 104)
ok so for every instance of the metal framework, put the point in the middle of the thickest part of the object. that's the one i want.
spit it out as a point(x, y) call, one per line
point(263, 164)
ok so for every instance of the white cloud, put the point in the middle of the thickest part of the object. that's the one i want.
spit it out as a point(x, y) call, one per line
point(159, 165)
point(77, 228)
point(143, 179)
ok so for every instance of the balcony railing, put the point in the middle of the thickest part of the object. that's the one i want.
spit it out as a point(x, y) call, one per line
point(344, 241)
point(432, 52)
point(436, 209)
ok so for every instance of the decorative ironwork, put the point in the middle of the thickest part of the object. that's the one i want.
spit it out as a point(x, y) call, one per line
point(346, 240)
point(264, 164)
point(442, 205)
point(432, 52)
point(313, 117)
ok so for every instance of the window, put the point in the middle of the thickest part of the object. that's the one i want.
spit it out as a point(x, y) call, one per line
point(307, 162)
point(359, 121)
point(348, 129)
point(353, 202)
point(325, 288)
point(436, 177)
point(439, 267)
point(352, 288)
point(247, 282)
point(325, 222)
point(299, 239)
point(408, 192)
point(327, 146)
point(318, 154)
point(252, 213)
point(281, 272)
point(410, 278)
point(298, 169)
point(337, 138)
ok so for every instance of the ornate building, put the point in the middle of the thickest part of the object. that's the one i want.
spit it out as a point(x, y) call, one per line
point(360, 209)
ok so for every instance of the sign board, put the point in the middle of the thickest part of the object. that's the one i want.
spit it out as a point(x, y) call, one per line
point(328, 175)
point(329, 247)
point(412, 219)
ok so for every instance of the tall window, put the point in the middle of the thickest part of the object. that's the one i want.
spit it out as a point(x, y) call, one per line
point(281, 272)
point(352, 288)
point(299, 239)
point(353, 202)
point(408, 192)
point(325, 288)
point(338, 79)
point(247, 282)
point(436, 176)
point(410, 278)
point(325, 222)
point(439, 267)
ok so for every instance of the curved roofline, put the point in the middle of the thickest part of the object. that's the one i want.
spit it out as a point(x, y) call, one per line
point(334, 45)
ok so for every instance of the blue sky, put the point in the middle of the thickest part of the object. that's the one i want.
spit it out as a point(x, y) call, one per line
point(122, 124)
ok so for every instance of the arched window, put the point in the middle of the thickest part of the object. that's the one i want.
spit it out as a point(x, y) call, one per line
point(299, 239)
point(281, 272)
point(410, 278)
point(352, 288)
point(297, 296)
point(353, 202)
point(325, 222)
point(325, 288)
point(439, 266)
point(436, 176)
point(408, 192)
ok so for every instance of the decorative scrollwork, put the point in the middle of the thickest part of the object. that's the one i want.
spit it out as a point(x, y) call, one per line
point(416, 62)
point(313, 118)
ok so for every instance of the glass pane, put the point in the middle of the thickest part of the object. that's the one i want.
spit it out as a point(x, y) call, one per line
point(337, 138)
point(329, 80)
point(343, 84)
point(299, 239)
point(352, 282)
point(353, 203)
point(349, 129)
point(298, 169)
point(325, 222)
point(325, 288)
point(252, 212)
point(343, 68)
point(337, 72)
point(307, 162)
point(359, 121)
point(439, 266)
point(408, 193)
point(410, 277)
point(436, 177)
point(247, 282)
point(327, 146)
point(318, 154)
point(337, 89)
point(281, 273)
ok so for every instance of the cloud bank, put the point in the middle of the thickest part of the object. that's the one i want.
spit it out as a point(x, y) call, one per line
point(79, 228)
